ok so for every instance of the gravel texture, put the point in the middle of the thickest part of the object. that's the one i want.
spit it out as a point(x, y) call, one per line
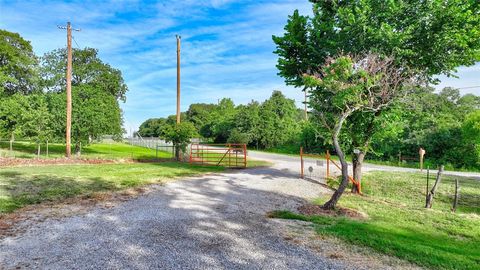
point(214, 221)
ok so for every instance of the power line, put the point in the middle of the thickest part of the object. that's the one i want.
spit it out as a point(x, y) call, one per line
point(74, 40)
point(468, 87)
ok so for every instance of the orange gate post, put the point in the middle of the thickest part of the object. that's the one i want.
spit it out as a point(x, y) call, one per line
point(245, 154)
point(229, 155)
point(328, 164)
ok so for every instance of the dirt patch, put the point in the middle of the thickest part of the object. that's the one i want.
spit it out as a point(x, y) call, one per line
point(11, 162)
point(19, 221)
point(317, 210)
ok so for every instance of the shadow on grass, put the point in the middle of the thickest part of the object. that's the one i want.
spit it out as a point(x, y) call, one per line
point(433, 250)
point(19, 190)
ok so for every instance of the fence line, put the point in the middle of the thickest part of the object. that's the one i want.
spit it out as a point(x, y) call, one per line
point(151, 143)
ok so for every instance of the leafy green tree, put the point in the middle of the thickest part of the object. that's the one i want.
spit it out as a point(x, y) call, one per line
point(347, 85)
point(12, 116)
point(152, 127)
point(471, 135)
point(18, 64)
point(38, 120)
point(200, 114)
point(236, 136)
point(247, 122)
point(97, 89)
point(223, 120)
point(430, 120)
point(425, 37)
point(94, 114)
point(87, 69)
point(180, 135)
point(430, 37)
point(278, 121)
point(471, 127)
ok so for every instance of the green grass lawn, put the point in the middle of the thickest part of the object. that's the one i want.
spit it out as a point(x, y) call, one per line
point(399, 225)
point(106, 150)
point(21, 186)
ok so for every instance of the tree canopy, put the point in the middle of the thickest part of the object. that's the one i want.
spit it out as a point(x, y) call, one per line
point(430, 37)
point(18, 64)
point(269, 124)
point(33, 93)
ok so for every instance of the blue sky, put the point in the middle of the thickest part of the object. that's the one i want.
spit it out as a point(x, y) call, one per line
point(226, 47)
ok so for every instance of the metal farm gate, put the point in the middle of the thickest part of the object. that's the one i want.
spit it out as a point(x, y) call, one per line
point(227, 155)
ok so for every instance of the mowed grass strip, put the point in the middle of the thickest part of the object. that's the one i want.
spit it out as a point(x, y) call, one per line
point(399, 225)
point(21, 186)
point(106, 150)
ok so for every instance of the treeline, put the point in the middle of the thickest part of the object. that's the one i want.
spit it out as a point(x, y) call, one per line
point(440, 122)
point(33, 98)
point(274, 122)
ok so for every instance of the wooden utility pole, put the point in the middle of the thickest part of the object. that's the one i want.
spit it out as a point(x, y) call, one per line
point(68, 132)
point(178, 78)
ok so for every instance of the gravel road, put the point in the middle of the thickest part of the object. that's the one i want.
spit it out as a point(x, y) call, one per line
point(213, 221)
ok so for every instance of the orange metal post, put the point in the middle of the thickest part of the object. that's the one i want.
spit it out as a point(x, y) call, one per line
point(301, 162)
point(328, 164)
point(245, 154)
point(229, 155)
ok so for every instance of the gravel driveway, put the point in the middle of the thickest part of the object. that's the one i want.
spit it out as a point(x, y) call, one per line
point(213, 221)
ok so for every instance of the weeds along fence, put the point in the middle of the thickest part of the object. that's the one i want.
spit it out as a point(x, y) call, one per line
point(29, 149)
point(155, 144)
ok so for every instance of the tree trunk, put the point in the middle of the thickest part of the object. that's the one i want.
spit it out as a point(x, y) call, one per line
point(331, 204)
point(178, 153)
point(434, 188)
point(357, 163)
point(78, 149)
point(38, 150)
point(357, 160)
point(12, 139)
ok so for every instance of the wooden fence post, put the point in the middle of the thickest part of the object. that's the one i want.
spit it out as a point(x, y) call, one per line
point(455, 201)
point(426, 191)
point(434, 188)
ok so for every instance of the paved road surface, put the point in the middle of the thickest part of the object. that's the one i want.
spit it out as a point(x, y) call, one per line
point(293, 163)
